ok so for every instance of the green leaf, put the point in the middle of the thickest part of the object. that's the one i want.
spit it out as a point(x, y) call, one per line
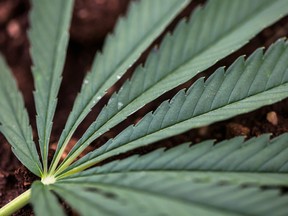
point(14, 121)
point(44, 202)
point(150, 193)
point(48, 35)
point(133, 34)
point(194, 46)
point(245, 86)
point(98, 201)
point(255, 155)
point(258, 161)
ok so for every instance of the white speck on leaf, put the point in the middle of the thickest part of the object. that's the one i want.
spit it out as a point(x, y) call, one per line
point(120, 105)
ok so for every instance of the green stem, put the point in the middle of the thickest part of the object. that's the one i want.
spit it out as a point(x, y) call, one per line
point(16, 204)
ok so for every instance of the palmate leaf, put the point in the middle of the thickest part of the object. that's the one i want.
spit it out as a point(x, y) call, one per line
point(48, 35)
point(258, 161)
point(168, 195)
point(14, 121)
point(144, 23)
point(44, 202)
point(194, 46)
point(245, 86)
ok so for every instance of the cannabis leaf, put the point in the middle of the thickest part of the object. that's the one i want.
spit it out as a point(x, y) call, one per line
point(230, 177)
point(258, 161)
point(147, 20)
point(49, 37)
point(14, 122)
point(47, 203)
point(194, 46)
point(169, 196)
point(245, 86)
point(193, 176)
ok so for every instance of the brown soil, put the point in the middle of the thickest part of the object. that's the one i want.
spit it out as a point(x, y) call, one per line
point(92, 20)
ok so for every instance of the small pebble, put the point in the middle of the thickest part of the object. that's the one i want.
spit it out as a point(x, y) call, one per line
point(272, 118)
point(14, 29)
